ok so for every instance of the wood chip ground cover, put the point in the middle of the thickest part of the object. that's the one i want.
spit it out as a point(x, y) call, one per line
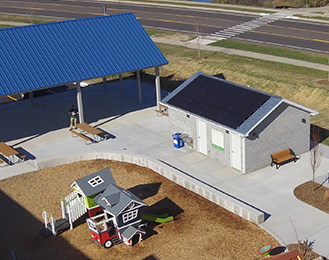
point(201, 229)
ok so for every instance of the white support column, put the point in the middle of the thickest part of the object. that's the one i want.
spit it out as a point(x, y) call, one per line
point(139, 86)
point(121, 85)
point(104, 83)
point(157, 87)
point(31, 98)
point(79, 101)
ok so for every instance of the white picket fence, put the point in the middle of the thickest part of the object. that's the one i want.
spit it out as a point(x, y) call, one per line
point(73, 207)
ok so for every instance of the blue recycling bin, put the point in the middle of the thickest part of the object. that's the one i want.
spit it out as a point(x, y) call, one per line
point(178, 141)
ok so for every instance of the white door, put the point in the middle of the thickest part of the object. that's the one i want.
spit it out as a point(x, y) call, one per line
point(202, 137)
point(236, 151)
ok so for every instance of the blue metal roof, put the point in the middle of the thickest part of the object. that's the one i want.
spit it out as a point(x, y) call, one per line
point(49, 54)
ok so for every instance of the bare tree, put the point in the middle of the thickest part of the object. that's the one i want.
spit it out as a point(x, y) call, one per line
point(30, 12)
point(305, 247)
point(316, 153)
point(197, 28)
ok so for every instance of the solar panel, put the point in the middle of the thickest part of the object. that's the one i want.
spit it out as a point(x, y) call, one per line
point(221, 101)
point(231, 119)
point(180, 100)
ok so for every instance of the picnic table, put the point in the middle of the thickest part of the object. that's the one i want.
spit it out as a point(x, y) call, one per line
point(8, 152)
point(88, 129)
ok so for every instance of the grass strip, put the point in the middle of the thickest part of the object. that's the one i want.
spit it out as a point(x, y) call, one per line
point(272, 50)
point(24, 19)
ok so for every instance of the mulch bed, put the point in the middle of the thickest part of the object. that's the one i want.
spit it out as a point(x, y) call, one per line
point(201, 229)
point(313, 194)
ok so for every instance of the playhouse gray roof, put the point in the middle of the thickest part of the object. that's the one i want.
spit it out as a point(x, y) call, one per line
point(235, 107)
point(115, 199)
point(105, 175)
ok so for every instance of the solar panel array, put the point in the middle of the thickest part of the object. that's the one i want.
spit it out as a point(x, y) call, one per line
point(219, 100)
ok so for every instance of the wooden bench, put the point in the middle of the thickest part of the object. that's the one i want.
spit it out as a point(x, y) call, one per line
point(2, 163)
point(104, 136)
point(21, 157)
point(282, 157)
point(163, 110)
point(86, 138)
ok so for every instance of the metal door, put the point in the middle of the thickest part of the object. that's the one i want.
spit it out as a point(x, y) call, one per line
point(202, 137)
point(236, 151)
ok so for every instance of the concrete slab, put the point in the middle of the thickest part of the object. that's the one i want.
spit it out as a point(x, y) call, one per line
point(192, 158)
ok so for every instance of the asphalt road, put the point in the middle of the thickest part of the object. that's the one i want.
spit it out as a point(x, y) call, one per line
point(296, 34)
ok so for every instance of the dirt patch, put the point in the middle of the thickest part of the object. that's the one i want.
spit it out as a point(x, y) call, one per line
point(177, 37)
point(200, 230)
point(322, 83)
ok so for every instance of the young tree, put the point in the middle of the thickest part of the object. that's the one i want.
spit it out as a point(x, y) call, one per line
point(315, 153)
point(197, 27)
point(30, 12)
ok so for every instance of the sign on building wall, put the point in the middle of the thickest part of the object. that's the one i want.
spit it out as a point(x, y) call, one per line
point(217, 139)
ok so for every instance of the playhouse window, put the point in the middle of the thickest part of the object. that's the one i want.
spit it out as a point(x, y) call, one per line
point(129, 216)
point(95, 181)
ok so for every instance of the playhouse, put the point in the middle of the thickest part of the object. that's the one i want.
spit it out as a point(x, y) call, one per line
point(121, 220)
point(237, 125)
point(115, 214)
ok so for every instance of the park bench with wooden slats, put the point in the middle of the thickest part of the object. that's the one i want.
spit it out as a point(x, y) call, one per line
point(282, 157)
point(86, 138)
point(21, 157)
point(2, 163)
point(163, 110)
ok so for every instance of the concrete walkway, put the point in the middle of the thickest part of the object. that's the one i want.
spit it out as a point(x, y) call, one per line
point(244, 54)
point(41, 131)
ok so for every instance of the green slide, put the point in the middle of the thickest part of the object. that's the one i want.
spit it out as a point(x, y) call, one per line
point(164, 218)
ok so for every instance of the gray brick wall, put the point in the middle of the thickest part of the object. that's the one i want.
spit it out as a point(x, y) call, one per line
point(182, 122)
point(286, 127)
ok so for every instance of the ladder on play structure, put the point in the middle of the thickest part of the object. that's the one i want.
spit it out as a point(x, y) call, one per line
point(73, 207)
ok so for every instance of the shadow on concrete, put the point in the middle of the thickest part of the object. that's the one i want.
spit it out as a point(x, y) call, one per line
point(144, 191)
point(50, 113)
point(28, 155)
point(20, 232)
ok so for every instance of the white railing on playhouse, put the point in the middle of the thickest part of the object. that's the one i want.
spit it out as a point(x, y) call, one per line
point(73, 207)
point(51, 221)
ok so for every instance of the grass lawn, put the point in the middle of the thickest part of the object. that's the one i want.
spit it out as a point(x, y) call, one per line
point(272, 50)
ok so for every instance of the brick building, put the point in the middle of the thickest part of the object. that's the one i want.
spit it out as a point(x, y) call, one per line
point(239, 126)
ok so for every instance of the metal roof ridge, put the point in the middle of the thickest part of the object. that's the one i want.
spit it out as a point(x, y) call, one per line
point(65, 21)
